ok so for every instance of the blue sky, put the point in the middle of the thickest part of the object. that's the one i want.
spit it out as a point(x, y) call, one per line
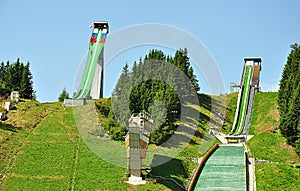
point(53, 35)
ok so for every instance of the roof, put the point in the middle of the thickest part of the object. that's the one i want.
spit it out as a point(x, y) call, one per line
point(100, 24)
point(252, 59)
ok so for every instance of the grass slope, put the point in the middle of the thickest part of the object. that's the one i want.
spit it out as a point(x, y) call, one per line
point(41, 149)
point(265, 115)
point(268, 144)
point(15, 130)
point(231, 101)
point(53, 157)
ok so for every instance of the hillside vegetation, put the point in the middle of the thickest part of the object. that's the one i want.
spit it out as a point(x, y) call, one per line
point(159, 84)
point(41, 149)
point(16, 76)
point(289, 98)
point(277, 172)
point(14, 131)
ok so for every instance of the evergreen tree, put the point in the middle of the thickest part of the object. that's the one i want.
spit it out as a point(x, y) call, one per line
point(26, 89)
point(289, 98)
point(63, 95)
point(193, 78)
point(16, 77)
point(120, 97)
point(153, 85)
point(2, 72)
point(16, 74)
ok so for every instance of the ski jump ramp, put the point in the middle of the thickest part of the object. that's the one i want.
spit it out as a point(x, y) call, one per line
point(91, 85)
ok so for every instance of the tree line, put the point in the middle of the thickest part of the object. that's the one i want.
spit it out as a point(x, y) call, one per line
point(157, 84)
point(16, 76)
point(289, 98)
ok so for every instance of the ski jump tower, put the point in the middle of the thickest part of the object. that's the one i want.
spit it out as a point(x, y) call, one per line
point(91, 85)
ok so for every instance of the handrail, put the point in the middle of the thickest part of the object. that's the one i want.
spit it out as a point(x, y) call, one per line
point(200, 167)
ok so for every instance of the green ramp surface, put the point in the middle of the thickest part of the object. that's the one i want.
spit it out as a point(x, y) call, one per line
point(224, 170)
point(92, 60)
point(244, 101)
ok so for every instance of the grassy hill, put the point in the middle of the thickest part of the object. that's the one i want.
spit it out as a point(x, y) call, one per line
point(14, 131)
point(41, 149)
point(278, 172)
point(45, 152)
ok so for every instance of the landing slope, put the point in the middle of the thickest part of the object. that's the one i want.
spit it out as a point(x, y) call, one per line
point(224, 170)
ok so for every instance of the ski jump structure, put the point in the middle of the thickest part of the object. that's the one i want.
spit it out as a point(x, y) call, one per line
point(91, 85)
point(249, 85)
point(228, 167)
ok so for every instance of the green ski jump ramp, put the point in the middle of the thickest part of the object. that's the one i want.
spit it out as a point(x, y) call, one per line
point(242, 114)
point(91, 85)
point(224, 167)
point(245, 90)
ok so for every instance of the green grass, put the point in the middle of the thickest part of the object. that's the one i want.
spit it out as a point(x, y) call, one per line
point(52, 156)
point(231, 101)
point(272, 147)
point(268, 144)
point(265, 115)
point(45, 158)
point(41, 149)
point(15, 130)
point(277, 177)
point(29, 113)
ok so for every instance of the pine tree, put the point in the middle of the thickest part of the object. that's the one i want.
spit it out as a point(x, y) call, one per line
point(3, 89)
point(193, 79)
point(17, 69)
point(26, 89)
point(2, 72)
point(120, 97)
point(289, 98)
point(16, 77)
point(63, 95)
point(153, 85)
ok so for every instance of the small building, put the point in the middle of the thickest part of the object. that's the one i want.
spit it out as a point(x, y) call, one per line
point(14, 96)
point(7, 105)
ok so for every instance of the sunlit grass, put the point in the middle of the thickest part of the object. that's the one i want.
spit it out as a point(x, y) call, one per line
point(278, 173)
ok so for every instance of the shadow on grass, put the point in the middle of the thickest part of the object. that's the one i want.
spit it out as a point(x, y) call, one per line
point(208, 102)
point(8, 127)
point(192, 119)
point(205, 101)
point(219, 110)
point(170, 169)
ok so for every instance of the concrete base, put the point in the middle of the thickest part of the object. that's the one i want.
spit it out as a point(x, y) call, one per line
point(252, 178)
point(134, 180)
point(74, 102)
point(218, 135)
point(249, 137)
